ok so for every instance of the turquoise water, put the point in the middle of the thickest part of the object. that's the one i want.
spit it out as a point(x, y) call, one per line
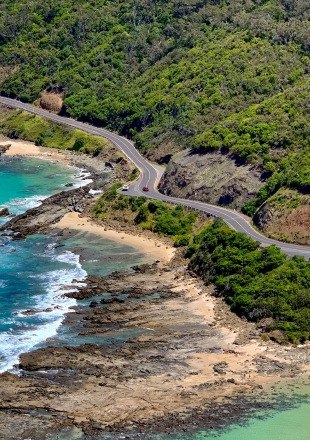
point(32, 278)
point(292, 423)
point(287, 425)
point(26, 181)
point(34, 274)
point(30, 270)
point(287, 418)
point(101, 257)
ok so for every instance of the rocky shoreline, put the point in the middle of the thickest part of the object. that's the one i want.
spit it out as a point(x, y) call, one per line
point(181, 371)
point(103, 169)
point(166, 354)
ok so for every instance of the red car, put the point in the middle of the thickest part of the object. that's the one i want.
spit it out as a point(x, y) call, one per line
point(145, 188)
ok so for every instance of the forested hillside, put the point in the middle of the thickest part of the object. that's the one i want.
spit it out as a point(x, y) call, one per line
point(210, 75)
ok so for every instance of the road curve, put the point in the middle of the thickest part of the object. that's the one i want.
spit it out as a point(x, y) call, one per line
point(151, 173)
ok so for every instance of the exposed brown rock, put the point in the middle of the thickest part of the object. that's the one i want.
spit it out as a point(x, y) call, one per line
point(285, 216)
point(49, 212)
point(4, 148)
point(4, 212)
point(212, 177)
point(180, 369)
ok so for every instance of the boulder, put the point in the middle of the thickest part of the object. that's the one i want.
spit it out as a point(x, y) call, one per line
point(4, 212)
point(93, 304)
point(51, 102)
point(278, 336)
point(265, 323)
point(4, 148)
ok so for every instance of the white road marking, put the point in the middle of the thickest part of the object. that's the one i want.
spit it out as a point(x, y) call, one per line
point(127, 147)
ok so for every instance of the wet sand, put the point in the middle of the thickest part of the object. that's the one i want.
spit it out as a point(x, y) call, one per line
point(190, 355)
point(150, 247)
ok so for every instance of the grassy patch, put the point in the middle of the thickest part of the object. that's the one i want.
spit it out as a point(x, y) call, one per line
point(47, 133)
point(134, 174)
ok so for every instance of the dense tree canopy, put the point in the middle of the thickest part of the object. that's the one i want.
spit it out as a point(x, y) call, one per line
point(257, 283)
point(207, 74)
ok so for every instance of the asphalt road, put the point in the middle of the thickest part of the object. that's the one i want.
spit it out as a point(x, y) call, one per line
point(151, 173)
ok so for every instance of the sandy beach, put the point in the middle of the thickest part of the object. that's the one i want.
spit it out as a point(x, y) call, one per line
point(152, 248)
point(158, 349)
point(23, 148)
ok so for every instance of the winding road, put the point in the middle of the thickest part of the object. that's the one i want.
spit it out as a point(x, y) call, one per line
point(150, 175)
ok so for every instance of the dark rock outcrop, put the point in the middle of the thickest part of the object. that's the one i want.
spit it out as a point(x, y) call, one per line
point(4, 212)
point(49, 212)
point(4, 148)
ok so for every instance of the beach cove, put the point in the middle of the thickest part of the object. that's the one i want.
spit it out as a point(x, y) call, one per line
point(148, 349)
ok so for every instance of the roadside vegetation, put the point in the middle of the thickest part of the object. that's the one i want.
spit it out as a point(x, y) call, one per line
point(209, 75)
point(257, 283)
point(154, 215)
point(34, 128)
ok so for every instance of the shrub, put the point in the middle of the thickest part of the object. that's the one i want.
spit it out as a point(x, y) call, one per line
point(257, 283)
point(155, 205)
point(155, 215)
point(134, 174)
point(142, 214)
point(79, 143)
point(191, 250)
point(181, 240)
point(121, 204)
point(136, 202)
point(111, 193)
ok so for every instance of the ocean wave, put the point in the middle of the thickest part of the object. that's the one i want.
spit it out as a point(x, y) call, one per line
point(20, 205)
point(95, 191)
point(20, 342)
point(35, 330)
point(81, 172)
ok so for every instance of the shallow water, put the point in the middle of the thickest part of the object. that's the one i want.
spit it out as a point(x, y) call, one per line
point(32, 277)
point(33, 274)
point(26, 181)
point(286, 425)
point(99, 256)
point(288, 420)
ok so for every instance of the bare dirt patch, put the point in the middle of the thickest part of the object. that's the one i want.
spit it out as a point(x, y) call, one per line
point(51, 102)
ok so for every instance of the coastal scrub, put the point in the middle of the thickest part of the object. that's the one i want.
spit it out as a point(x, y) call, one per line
point(257, 283)
point(154, 215)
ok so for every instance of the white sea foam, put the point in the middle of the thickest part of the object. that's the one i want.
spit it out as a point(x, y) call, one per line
point(20, 205)
point(78, 181)
point(15, 344)
point(45, 324)
point(95, 191)
point(56, 284)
